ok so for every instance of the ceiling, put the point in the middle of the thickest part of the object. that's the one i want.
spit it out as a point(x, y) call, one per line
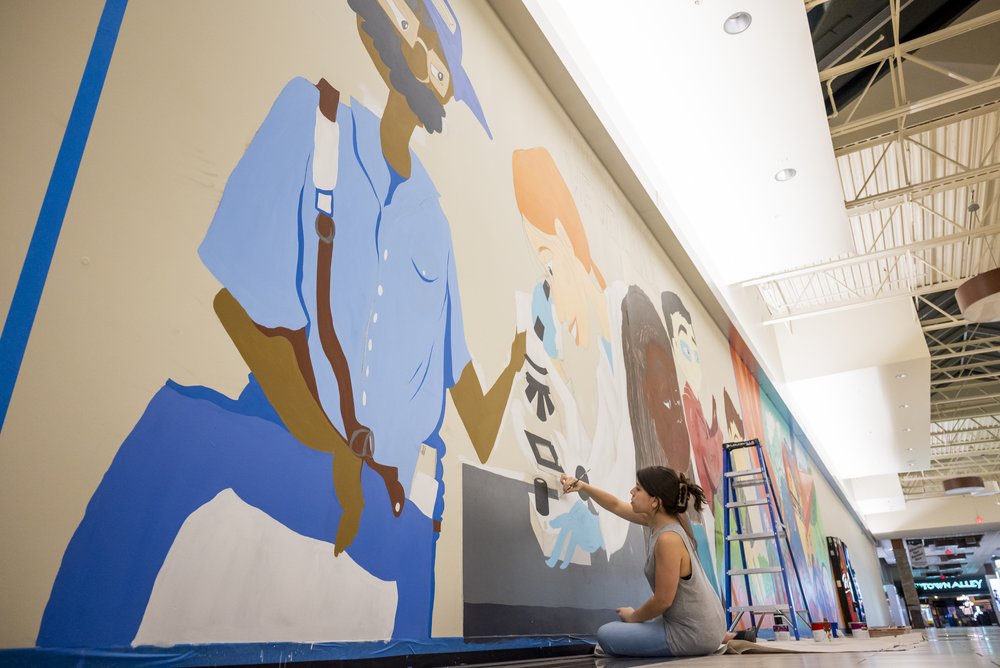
point(913, 100)
point(841, 280)
point(947, 556)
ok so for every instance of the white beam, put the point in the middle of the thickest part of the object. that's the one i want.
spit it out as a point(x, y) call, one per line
point(892, 198)
point(910, 46)
point(903, 110)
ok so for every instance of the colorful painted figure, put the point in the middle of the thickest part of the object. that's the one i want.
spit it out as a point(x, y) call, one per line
point(341, 294)
point(569, 406)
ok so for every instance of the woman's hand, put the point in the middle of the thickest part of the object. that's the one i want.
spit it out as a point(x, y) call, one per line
point(570, 484)
point(626, 614)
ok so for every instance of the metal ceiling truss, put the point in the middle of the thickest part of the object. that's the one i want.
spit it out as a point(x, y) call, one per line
point(921, 179)
point(908, 270)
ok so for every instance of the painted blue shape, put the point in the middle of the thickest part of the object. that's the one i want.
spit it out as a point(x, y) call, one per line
point(541, 311)
point(704, 553)
point(28, 293)
point(181, 454)
point(395, 298)
point(578, 527)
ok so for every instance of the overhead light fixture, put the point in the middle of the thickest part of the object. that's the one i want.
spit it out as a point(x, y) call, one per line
point(979, 297)
point(737, 23)
point(900, 376)
point(991, 488)
point(908, 429)
point(904, 405)
point(963, 485)
point(785, 174)
point(909, 449)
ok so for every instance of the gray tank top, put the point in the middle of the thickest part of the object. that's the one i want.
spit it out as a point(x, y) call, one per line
point(696, 621)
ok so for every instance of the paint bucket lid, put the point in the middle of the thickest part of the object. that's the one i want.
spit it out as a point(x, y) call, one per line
point(818, 626)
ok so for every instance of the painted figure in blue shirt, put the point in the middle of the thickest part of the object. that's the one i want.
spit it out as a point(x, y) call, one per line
point(363, 289)
point(340, 292)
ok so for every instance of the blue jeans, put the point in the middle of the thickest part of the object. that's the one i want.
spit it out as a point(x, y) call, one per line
point(191, 444)
point(634, 639)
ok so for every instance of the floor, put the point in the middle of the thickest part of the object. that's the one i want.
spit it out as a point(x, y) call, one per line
point(976, 647)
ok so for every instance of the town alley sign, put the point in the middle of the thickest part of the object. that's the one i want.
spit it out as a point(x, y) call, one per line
point(950, 584)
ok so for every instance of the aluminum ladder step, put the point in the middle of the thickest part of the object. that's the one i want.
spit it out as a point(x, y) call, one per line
point(761, 609)
point(760, 535)
point(743, 473)
point(747, 503)
point(749, 482)
point(754, 571)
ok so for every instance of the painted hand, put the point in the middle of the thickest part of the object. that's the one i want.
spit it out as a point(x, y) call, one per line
point(626, 614)
point(518, 348)
point(569, 483)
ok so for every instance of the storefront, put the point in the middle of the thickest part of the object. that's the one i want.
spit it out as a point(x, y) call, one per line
point(957, 601)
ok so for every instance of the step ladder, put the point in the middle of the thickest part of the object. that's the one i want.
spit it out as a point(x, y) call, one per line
point(759, 479)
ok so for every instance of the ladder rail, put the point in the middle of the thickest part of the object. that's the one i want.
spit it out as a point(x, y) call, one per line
point(788, 545)
point(779, 532)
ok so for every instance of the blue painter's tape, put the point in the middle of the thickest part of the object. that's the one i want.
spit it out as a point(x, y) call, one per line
point(28, 292)
point(280, 653)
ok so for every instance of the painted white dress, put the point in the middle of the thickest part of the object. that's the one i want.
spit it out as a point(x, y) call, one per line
point(544, 417)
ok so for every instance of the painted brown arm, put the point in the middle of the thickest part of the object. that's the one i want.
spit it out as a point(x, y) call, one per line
point(482, 412)
point(279, 359)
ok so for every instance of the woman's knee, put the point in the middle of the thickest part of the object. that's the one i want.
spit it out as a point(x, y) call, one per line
point(606, 634)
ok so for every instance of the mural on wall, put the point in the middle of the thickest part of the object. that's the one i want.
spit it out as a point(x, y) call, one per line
point(785, 458)
point(309, 507)
point(340, 292)
point(567, 414)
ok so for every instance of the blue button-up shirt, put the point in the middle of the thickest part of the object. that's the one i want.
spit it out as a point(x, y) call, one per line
point(395, 300)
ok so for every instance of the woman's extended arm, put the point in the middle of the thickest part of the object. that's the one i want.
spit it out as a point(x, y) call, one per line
point(606, 500)
point(669, 556)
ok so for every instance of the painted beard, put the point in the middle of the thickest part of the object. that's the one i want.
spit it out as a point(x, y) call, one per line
point(421, 99)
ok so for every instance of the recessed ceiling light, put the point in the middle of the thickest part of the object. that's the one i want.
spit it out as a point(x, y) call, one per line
point(900, 376)
point(909, 449)
point(785, 174)
point(904, 405)
point(737, 23)
point(908, 429)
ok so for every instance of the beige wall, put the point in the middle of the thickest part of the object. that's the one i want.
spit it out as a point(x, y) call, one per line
point(861, 550)
point(127, 303)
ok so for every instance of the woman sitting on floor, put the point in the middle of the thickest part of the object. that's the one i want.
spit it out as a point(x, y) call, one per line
point(684, 616)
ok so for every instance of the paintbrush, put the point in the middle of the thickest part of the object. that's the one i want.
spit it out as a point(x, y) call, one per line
point(578, 481)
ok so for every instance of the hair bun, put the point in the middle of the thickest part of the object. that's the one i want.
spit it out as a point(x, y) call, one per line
point(683, 492)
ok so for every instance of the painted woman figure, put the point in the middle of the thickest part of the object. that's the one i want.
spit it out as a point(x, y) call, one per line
point(683, 616)
point(568, 409)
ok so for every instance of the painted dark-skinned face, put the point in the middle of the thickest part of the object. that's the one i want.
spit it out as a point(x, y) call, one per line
point(405, 49)
point(662, 398)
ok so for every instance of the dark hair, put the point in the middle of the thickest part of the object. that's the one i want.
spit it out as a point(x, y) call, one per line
point(674, 490)
point(655, 410)
point(671, 304)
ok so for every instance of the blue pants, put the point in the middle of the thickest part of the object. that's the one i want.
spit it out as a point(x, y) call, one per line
point(191, 444)
point(635, 639)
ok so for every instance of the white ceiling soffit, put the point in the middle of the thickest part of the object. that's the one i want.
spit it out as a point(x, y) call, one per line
point(877, 494)
point(717, 116)
point(871, 421)
point(869, 336)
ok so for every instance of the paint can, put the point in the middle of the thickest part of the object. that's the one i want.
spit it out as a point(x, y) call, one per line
point(781, 632)
point(859, 630)
point(819, 631)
